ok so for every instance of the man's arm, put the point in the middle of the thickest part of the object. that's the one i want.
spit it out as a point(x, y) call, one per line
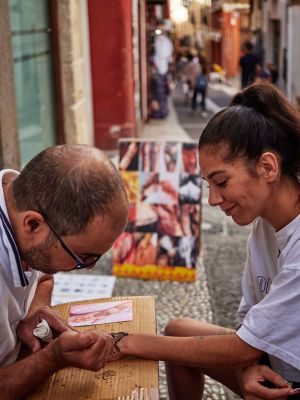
point(88, 350)
point(216, 351)
point(39, 310)
point(43, 293)
point(19, 379)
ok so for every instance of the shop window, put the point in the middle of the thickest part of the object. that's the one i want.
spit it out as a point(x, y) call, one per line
point(31, 41)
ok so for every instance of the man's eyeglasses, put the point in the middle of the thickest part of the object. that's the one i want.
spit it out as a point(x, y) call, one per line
point(85, 262)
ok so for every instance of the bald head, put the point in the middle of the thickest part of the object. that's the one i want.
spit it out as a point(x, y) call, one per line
point(76, 158)
point(71, 184)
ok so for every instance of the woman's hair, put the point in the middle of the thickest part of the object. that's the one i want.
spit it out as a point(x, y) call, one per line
point(258, 119)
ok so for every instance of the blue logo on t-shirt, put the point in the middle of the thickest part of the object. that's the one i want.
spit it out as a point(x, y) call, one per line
point(264, 284)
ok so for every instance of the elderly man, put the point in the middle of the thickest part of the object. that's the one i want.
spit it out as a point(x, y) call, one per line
point(62, 212)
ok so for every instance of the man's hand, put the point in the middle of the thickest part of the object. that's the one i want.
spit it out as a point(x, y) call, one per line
point(27, 325)
point(87, 350)
point(253, 384)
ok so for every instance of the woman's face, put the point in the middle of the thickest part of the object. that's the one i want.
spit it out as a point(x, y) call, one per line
point(239, 192)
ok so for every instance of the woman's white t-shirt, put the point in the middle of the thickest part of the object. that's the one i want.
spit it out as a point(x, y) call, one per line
point(270, 306)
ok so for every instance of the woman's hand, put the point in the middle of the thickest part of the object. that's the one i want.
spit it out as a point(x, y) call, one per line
point(255, 380)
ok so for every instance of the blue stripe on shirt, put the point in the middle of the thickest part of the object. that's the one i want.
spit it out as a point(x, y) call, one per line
point(11, 239)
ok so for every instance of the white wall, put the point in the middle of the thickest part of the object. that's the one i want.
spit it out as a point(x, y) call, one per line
point(88, 73)
point(275, 10)
point(293, 73)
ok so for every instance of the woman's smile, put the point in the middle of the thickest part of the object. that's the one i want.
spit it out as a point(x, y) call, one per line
point(229, 211)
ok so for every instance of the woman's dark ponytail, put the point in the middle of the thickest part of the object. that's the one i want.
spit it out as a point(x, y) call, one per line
point(258, 119)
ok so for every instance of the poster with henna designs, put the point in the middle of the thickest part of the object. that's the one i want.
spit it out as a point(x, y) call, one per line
point(162, 237)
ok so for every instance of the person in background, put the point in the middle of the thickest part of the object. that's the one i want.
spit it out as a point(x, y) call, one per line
point(189, 74)
point(60, 213)
point(273, 71)
point(261, 74)
point(201, 86)
point(163, 52)
point(249, 154)
point(248, 63)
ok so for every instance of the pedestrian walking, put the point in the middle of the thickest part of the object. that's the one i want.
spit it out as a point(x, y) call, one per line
point(273, 71)
point(248, 62)
point(61, 213)
point(201, 85)
point(189, 75)
point(163, 52)
point(250, 156)
point(262, 74)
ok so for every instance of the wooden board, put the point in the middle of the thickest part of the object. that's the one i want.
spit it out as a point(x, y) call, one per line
point(128, 379)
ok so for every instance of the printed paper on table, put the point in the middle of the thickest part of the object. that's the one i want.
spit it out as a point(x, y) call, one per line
point(162, 237)
point(100, 313)
point(72, 287)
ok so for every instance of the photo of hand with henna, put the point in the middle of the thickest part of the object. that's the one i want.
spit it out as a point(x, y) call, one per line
point(150, 156)
point(190, 162)
point(171, 157)
point(146, 249)
point(190, 219)
point(130, 179)
point(124, 248)
point(100, 313)
point(168, 220)
point(128, 156)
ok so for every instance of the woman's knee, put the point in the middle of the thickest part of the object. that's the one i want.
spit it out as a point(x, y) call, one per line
point(180, 327)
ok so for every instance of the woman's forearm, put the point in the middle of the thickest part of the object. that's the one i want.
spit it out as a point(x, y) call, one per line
point(207, 352)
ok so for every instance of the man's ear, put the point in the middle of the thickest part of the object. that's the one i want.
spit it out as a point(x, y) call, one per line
point(268, 166)
point(33, 222)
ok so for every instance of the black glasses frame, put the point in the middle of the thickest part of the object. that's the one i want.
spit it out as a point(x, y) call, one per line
point(80, 263)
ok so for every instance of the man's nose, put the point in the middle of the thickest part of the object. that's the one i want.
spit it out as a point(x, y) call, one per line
point(214, 197)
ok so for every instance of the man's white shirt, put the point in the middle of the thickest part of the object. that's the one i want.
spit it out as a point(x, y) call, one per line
point(17, 287)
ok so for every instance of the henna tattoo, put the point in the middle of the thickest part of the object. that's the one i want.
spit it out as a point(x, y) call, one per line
point(117, 337)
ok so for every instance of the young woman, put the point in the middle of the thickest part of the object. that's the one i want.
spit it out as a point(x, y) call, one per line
point(250, 156)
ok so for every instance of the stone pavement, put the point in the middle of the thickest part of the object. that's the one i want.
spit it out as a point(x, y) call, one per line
point(215, 295)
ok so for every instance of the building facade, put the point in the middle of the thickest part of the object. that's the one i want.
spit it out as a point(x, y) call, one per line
point(44, 77)
point(275, 29)
point(73, 71)
point(225, 51)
